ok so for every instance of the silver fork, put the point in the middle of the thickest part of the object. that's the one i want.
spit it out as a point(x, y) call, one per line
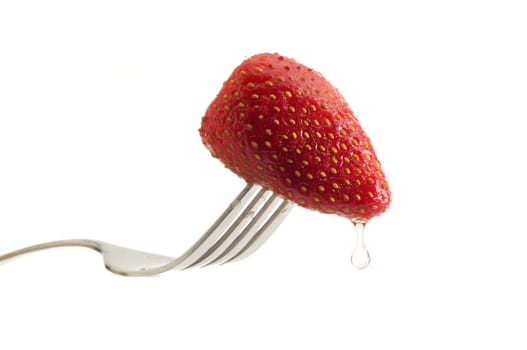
point(244, 226)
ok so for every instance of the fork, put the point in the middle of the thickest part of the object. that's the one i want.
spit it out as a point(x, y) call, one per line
point(246, 224)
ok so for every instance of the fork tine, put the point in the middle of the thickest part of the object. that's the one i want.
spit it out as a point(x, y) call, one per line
point(259, 225)
point(209, 238)
point(267, 229)
point(233, 231)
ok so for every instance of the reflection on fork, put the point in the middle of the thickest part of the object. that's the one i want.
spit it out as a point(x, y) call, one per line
point(245, 225)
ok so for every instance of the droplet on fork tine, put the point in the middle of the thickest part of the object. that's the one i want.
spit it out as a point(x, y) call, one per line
point(360, 257)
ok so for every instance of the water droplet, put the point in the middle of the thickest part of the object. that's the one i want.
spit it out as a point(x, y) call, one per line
point(236, 204)
point(360, 257)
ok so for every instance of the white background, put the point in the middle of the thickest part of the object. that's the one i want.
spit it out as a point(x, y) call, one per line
point(100, 102)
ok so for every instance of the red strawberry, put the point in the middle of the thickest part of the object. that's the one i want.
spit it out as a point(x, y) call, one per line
point(283, 126)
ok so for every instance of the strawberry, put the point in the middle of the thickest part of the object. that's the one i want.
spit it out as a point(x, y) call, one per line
point(280, 124)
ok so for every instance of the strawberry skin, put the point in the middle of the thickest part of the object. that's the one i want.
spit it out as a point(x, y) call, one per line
point(280, 124)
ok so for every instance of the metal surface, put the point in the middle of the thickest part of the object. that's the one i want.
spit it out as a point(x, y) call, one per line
point(238, 232)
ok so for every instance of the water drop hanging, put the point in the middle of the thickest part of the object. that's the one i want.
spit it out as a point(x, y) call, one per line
point(360, 257)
